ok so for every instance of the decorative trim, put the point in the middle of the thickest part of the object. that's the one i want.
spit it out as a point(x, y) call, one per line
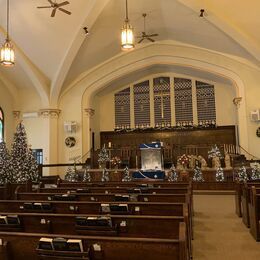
point(89, 112)
point(16, 114)
point(52, 113)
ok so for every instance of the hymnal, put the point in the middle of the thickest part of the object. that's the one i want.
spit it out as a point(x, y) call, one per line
point(75, 245)
point(119, 197)
point(45, 243)
point(46, 206)
point(118, 207)
point(60, 244)
point(28, 205)
point(81, 221)
point(13, 219)
point(37, 205)
point(3, 219)
point(105, 208)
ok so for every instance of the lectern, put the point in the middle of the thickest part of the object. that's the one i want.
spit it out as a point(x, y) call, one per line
point(151, 162)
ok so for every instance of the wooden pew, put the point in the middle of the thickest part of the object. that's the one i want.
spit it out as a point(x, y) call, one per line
point(122, 225)
point(167, 190)
point(157, 184)
point(23, 246)
point(238, 195)
point(245, 198)
point(254, 212)
point(93, 207)
point(134, 226)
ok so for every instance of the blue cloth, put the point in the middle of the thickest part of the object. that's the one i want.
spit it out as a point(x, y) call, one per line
point(149, 175)
point(155, 145)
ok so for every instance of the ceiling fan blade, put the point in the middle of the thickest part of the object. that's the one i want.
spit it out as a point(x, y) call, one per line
point(44, 7)
point(50, 1)
point(141, 40)
point(53, 12)
point(150, 39)
point(153, 35)
point(63, 3)
point(65, 11)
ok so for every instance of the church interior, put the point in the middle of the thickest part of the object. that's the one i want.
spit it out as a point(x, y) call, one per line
point(122, 118)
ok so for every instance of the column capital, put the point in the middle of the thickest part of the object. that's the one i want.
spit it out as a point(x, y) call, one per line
point(16, 114)
point(237, 101)
point(89, 112)
point(49, 113)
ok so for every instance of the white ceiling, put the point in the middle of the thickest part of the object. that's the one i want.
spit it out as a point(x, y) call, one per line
point(53, 52)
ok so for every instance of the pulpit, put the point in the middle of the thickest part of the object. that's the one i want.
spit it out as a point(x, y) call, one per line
point(151, 162)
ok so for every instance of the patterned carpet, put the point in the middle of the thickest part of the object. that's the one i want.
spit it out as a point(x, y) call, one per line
point(218, 233)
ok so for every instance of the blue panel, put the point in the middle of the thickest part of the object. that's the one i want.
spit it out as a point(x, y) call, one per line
point(149, 175)
point(155, 145)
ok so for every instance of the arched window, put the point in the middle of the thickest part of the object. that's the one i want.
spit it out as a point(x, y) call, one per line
point(1, 125)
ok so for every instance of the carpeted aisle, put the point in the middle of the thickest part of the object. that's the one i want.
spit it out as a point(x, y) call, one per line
point(218, 233)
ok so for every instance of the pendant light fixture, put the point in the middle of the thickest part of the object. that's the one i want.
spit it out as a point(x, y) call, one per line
point(7, 51)
point(127, 34)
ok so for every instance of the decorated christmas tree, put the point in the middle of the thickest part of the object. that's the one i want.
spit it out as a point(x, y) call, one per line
point(24, 166)
point(86, 176)
point(255, 172)
point(5, 170)
point(103, 157)
point(197, 174)
point(105, 175)
point(219, 174)
point(126, 176)
point(71, 175)
point(173, 175)
point(241, 174)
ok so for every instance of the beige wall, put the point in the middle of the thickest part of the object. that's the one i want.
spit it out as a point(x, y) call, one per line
point(7, 104)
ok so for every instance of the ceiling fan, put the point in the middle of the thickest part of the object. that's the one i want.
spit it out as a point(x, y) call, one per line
point(56, 6)
point(145, 36)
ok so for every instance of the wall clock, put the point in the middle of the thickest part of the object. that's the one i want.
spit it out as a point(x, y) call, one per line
point(70, 141)
point(258, 132)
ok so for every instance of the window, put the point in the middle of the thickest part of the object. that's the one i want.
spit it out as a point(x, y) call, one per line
point(142, 104)
point(38, 155)
point(122, 108)
point(205, 103)
point(183, 101)
point(162, 101)
point(1, 125)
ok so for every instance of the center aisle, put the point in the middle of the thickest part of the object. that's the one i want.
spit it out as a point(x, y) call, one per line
point(218, 233)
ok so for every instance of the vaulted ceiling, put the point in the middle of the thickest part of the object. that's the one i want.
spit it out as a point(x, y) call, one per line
point(53, 52)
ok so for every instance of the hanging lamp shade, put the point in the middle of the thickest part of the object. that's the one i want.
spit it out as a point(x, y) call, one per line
point(7, 54)
point(127, 34)
point(7, 50)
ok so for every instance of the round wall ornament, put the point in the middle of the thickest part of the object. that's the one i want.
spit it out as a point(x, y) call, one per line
point(70, 141)
point(258, 132)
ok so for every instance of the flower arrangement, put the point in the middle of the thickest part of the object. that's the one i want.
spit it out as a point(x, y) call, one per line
point(115, 161)
point(183, 160)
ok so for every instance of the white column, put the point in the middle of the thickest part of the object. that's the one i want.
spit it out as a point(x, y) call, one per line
point(50, 117)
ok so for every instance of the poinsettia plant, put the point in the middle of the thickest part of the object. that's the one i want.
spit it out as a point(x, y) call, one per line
point(115, 161)
point(183, 160)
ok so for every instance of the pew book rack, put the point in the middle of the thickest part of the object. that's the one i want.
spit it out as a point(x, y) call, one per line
point(61, 255)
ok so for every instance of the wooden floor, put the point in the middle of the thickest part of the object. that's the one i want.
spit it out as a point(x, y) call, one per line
point(218, 233)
